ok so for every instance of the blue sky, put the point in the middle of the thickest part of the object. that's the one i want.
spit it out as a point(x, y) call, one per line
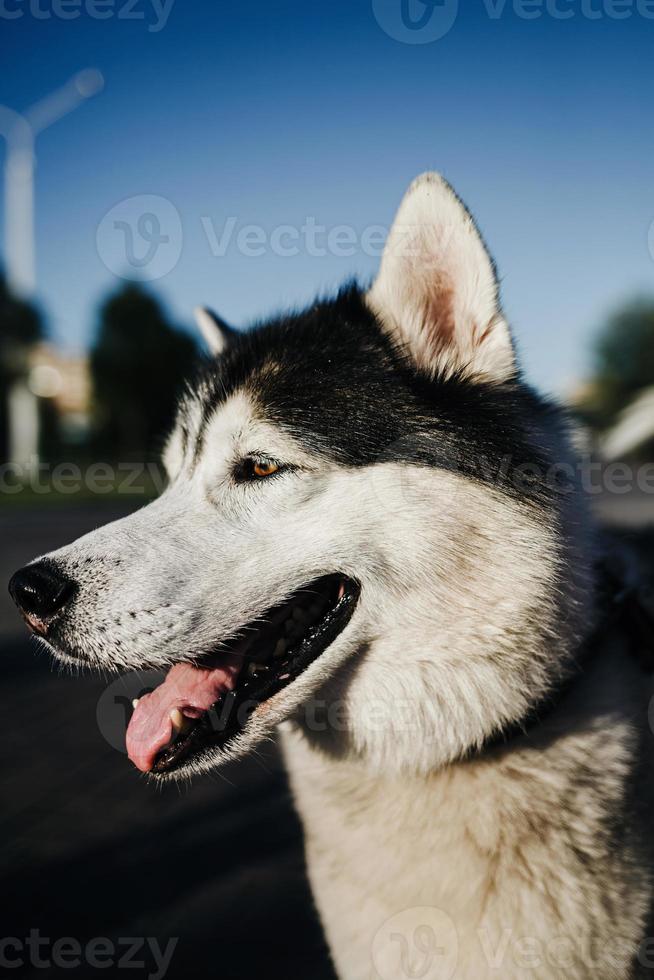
point(270, 113)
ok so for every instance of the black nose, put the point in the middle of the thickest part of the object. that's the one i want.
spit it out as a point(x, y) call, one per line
point(41, 590)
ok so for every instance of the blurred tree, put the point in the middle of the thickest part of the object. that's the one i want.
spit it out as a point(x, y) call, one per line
point(624, 362)
point(138, 364)
point(21, 325)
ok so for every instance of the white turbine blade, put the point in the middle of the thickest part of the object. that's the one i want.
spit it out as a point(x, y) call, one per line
point(63, 100)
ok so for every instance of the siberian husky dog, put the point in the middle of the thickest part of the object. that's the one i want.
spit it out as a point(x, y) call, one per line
point(373, 538)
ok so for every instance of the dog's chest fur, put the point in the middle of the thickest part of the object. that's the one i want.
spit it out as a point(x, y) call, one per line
point(528, 855)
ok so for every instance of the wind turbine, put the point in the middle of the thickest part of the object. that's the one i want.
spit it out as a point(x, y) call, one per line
point(20, 132)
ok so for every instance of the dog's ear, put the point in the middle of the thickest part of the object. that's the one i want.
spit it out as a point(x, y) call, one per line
point(437, 290)
point(216, 333)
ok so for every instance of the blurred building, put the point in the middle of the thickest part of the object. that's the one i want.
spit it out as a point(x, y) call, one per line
point(52, 386)
point(66, 380)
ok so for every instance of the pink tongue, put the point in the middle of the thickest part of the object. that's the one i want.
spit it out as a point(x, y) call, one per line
point(192, 690)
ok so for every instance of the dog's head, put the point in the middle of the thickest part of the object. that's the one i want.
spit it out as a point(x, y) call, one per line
point(361, 533)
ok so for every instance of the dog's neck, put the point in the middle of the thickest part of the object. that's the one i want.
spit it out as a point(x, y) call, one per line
point(621, 609)
point(516, 839)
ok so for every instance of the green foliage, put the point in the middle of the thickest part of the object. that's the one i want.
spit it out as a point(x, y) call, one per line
point(138, 364)
point(20, 327)
point(624, 362)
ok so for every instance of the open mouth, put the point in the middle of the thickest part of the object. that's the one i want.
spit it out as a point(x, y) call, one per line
point(206, 704)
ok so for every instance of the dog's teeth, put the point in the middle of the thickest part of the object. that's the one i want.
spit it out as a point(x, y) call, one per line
point(280, 648)
point(135, 703)
point(178, 720)
point(284, 677)
point(341, 590)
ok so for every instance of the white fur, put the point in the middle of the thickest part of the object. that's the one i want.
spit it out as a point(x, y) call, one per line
point(213, 332)
point(436, 291)
point(486, 853)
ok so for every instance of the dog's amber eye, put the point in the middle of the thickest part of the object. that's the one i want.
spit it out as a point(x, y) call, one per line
point(264, 469)
point(250, 469)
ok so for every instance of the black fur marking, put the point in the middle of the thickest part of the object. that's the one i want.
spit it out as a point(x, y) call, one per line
point(332, 378)
point(185, 438)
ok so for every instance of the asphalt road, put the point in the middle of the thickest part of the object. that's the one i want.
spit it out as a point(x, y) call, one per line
point(90, 850)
